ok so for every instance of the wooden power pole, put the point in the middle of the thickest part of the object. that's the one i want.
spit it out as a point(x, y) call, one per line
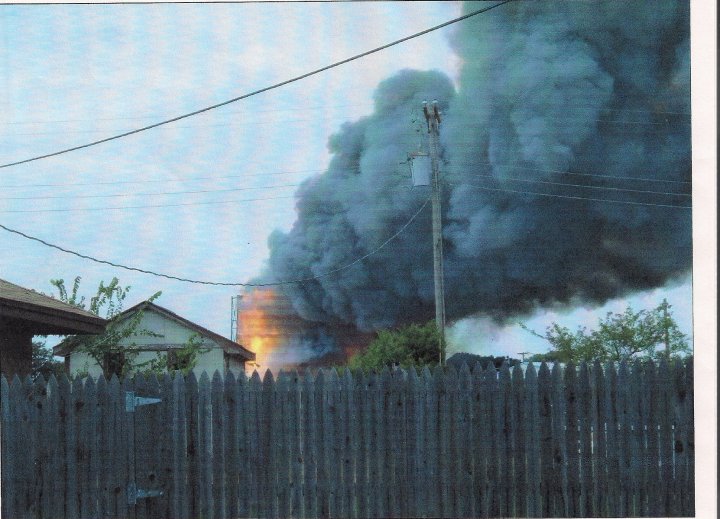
point(432, 116)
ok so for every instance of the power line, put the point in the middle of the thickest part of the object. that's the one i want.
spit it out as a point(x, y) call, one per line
point(265, 89)
point(199, 282)
point(165, 180)
point(574, 197)
point(304, 108)
point(255, 123)
point(561, 172)
point(164, 193)
point(609, 188)
point(210, 125)
point(81, 209)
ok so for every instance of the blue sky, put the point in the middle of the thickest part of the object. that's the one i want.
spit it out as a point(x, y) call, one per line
point(76, 73)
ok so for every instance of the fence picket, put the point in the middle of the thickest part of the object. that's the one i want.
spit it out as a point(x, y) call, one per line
point(310, 446)
point(350, 435)
point(495, 416)
point(231, 461)
point(381, 425)
point(600, 461)
point(282, 443)
point(217, 398)
point(665, 496)
point(50, 460)
point(396, 460)
point(585, 433)
point(178, 505)
point(432, 455)
point(463, 436)
point(243, 455)
point(652, 431)
point(8, 442)
point(518, 439)
point(689, 427)
point(362, 400)
point(193, 467)
point(204, 442)
point(609, 415)
point(559, 479)
point(505, 445)
point(333, 455)
point(532, 421)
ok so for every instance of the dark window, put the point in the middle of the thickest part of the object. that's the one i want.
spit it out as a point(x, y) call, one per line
point(113, 363)
point(177, 362)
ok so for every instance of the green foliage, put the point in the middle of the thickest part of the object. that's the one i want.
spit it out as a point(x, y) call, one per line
point(43, 364)
point(184, 359)
point(413, 345)
point(648, 334)
point(470, 359)
point(106, 348)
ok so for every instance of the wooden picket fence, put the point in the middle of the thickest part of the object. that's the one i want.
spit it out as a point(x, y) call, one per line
point(572, 442)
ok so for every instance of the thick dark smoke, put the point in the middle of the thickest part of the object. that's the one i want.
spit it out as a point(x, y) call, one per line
point(546, 88)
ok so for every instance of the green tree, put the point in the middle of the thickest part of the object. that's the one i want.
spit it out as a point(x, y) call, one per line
point(106, 348)
point(413, 345)
point(43, 363)
point(647, 334)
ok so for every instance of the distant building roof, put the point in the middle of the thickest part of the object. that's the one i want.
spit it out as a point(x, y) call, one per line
point(43, 314)
point(227, 345)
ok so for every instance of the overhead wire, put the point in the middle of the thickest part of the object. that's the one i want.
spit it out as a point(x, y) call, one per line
point(216, 283)
point(259, 91)
point(585, 186)
point(562, 172)
point(553, 195)
point(163, 193)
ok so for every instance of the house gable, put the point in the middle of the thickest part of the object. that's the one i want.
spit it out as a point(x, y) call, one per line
point(160, 331)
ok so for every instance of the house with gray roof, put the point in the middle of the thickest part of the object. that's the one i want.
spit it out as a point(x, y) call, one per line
point(161, 333)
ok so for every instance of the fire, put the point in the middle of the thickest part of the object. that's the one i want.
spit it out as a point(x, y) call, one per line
point(269, 326)
point(258, 328)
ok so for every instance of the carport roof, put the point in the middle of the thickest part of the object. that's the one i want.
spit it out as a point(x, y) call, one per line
point(44, 315)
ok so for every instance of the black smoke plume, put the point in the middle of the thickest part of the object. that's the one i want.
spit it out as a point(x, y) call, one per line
point(596, 89)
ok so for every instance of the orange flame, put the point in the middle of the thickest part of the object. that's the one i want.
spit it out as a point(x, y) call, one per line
point(257, 329)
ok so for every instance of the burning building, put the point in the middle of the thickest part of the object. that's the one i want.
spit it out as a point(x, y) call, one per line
point(265, 322)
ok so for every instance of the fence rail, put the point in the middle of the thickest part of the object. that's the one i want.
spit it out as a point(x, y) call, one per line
point(586, 441)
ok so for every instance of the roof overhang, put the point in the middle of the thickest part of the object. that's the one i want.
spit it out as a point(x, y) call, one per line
point(49, 321)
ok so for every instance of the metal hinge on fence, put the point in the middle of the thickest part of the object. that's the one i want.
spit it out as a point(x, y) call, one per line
point(132, 401)
point(134, 493)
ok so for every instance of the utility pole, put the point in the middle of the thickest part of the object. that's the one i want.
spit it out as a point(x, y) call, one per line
point(432, 116)
point(523, 353)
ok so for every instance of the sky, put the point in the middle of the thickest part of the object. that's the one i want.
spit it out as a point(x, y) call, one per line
point(200, 197)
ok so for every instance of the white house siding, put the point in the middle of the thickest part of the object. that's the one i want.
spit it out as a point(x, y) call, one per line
point(174, 335)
